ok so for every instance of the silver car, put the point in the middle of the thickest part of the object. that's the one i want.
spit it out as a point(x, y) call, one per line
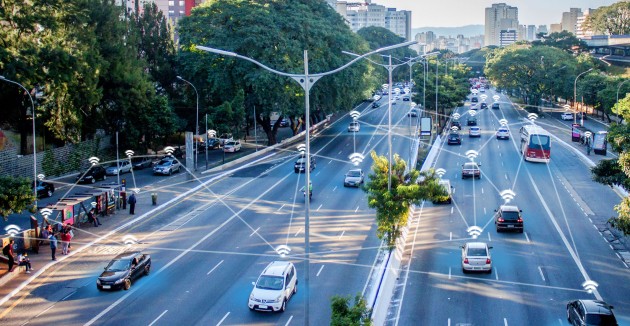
point(354, 127)
point(354, 178)
point(167, 166)
point(476, 257)
point(120, 168)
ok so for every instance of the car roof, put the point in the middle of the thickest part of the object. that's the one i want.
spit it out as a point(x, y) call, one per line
point(276, 268)
point(509, 208)
point(476, 244)
point(128, 255)
point(355, 170)
point(475, 127)
point(470, 163)
point(597, 306)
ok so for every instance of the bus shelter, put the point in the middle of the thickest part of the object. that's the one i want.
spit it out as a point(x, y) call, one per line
point(578, 133)
point(600, 143)
point(99, 197)
point(113, 193)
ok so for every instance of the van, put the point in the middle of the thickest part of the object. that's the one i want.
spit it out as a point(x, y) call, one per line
point(446, 184)
point(275, 286)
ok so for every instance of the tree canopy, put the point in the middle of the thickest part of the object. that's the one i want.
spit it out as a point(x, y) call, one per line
point(16, 195)
point(564, 40)
point(345, 315)
point(378, 37)
point(611, 20)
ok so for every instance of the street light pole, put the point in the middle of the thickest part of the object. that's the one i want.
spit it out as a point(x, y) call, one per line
point(306, 81)
point(34, 144)
point(207, 139)
point(196, 119)
point(575, 95)
point(437, 120)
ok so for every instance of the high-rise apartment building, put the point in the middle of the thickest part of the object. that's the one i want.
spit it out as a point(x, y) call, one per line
point(542, 29)
point(499, 17)
point(580, 30)
point(569, 20)
point(555, 28)
point(365, 14)
point(531, 32)
point(507, 37)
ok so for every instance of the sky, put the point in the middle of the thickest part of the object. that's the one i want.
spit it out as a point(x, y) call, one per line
point(454, 13)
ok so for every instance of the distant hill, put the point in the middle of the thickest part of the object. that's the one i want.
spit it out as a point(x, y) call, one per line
point(467, 31)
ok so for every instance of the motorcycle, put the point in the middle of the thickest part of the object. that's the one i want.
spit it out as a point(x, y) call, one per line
point(310, 193)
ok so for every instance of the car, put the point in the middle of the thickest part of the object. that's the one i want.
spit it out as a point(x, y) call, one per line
point(232, 146)
point(300, 164)
point(590, 312)
point(446, 184)
point(581, 116)
point(214, 143)
point(503, 133)
point(140, 163)
point(471, 121)
point(484, 105)
point(354, 126)
point(496, 106)
point(92, 174)
point(412, 113)
point(454, 139)
point(474, 106)
point(166, 166)
point(566, 116)
point(482, 89)
point(476, 257)
point(456, 123)
point(393, 102)
point(124, 269)
point(474, 99)
point(274, 287)
point(44, 189)
point(474, 132)
point(508, 217)
point(406, 98)
point(353, 178)
point(223, 138)
point(376, 104)
point(123, 166)
point(471, 169)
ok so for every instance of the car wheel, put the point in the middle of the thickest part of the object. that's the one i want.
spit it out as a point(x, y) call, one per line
point(93, 180)
point(127, 284)
point(295, 288)
point(464, 271)
point(179, 168)
point(147, 270)
point(170, 172)
point(104, 177)
point(489, 271)
point(49, 193)
point(284, 306)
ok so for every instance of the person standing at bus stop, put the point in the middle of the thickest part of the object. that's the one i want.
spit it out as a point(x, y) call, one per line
point(132, 203)
point(588, 145)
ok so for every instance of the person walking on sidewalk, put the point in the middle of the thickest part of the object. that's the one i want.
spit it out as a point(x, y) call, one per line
point(53, 245)
point(8, 251)
point(65, 241)
point(132, 203)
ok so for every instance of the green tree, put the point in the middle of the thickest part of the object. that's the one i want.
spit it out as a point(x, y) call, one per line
point(392, 207)
point(378, 37)
point(345, 315)
point(564, 40)
point(275, 33)
point(16, 195)
point(610, 20)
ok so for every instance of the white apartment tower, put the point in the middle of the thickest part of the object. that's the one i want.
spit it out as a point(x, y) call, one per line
point(570, 19)
point(499, 17)
point(365, 14)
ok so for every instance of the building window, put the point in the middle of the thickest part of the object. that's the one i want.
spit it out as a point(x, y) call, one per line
point(171, 3)
point(171, 12)
point(181, 12)
point(181, 3)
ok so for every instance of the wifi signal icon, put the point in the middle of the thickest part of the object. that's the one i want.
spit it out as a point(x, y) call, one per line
point(356, 158)
point(440, 172)
point(484, 97)
point(590, 286)
point(456, 116)
point(355, 114)
point(129, 153)
point(503, 122)
point(136, 190)
point(454, 128)
point(212, 133)
point(507, 195)
point(41, 176)
point(588, 134)
point(93, 204)
point(129, 240)
point(475, 91)
point(532, 117)
point(496, 98)
point(94, 160)
point(567, 107)
point(169, 150)
point(46, 212)
point(301, 148)
point(413, 105)
point(12, 230)
point(472, 154)
point(474, 231)
point(283, 250)
point(472, 113)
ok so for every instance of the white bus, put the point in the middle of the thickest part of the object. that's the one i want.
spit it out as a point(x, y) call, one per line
point(535, 144)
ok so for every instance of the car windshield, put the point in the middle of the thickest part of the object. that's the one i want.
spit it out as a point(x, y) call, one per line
point(270, 282)
point(470, 166)
point(165, 162)
point(510, 216)
point(354, 173)
point(230, 143)
point(605, 320)
point(453, 136)
point(477, 252)
point(118, 265)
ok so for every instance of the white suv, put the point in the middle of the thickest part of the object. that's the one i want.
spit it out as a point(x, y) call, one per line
point(275, 286)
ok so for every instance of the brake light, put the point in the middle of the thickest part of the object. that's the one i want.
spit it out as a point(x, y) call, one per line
point(487, 260)
point(520, 220)
point(501, 219)
point(465, 260)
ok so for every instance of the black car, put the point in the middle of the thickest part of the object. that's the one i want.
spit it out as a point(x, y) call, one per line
point(508, 218)
point(300, 164)
point(590, 312)
point(139, 163)
point(472, 121)
point(474, 99)
point(376, 104)
point(454, 139)
point(484, 105)
point(496, 106)
point(214, 143)
point(124, 269)
point(93, 174)
point(44, 189)
point(456, 123)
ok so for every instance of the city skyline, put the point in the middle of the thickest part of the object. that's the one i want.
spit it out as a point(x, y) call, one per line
point(461, 13)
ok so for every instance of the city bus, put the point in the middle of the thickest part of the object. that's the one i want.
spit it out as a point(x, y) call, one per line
point(535, 144)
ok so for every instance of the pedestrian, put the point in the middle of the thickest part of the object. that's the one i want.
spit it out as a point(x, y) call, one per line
point(8, 251)
point(93, 218)
point(53, 245)
point(24, 261)
point(132, 203)
point(44, 234)
point(65, 242)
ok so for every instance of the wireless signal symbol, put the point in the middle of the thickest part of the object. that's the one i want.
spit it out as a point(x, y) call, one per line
point(472, 113)
point(484, 97)
point(136, 190)
point(567, 107)
point(456, 116)
point(475, 91)
point(301, 148)
point(46, 212)
point(496, 98)
point(355, 114)
point(129, 153)
point(413, 105)
point(590, 286)
point(93, 204)
point(440, 172)
point(41, 176)
point(212, 133)
point(474, 231)
point(503, 122)
point(356, 158)
point(588, 134)
point(94, 160)
point(472, 154)
point(12, 230)
point(454, 128)
point(507, 195)
point(532, 117)
point(283, 250)
point(129, 240)
point(169, 150)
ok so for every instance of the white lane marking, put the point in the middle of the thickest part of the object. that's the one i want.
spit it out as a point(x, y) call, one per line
point(560, 322)
point(449, 273)
point(505, 175)
point(329, 161)
point(222, 319)
point(158, 317)
point(41, 313)
point(450, 236)
point(281, 207)
point(66, 297)
point(320, 206)
point(496, 274)
point(289, 321)
point(320, 270)
point(482, 190)
point(339, 152)
point(452, 210)
point(541, 273)
point(449, 322)
point(356, 210)
point(342, 232)
point(215, 267)
point(335, 188)
point(526, 237)
point(316, 174)
point(484, 211)
point(505, 322)
point(255, 231)
point(298, 232)
point(489, 238)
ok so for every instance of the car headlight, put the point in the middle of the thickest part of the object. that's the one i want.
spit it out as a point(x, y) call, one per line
point(98, 281)
point(279, 298)
point(119, 281)
point(251, 297)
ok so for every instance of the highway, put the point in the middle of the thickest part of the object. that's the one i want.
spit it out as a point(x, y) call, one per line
point(535, 273)
point(210, 246)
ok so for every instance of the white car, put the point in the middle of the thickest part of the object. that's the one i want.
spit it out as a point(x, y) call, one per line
point(476, 257)
point(503, 133)
point(275, 286)
point(354, 178)
point(474, 132)
point(354, 127)
point(232, 146)
point(567, 116)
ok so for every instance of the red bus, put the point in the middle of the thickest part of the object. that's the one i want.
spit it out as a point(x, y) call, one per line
point(535, 144)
